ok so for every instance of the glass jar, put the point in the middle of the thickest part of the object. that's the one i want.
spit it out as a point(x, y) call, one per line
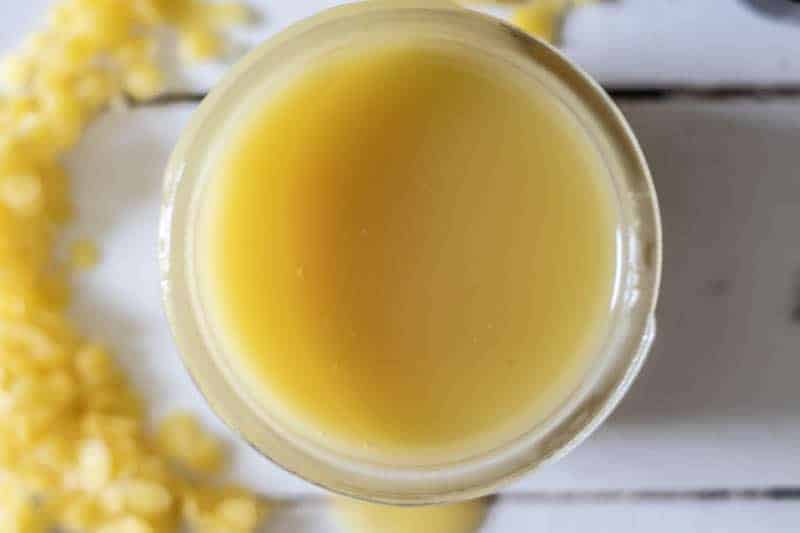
point(632, 324)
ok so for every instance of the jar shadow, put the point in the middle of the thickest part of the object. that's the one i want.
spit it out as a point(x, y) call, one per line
point(728, 328)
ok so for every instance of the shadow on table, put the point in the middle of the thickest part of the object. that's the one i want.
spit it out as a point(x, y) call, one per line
point(728, 332)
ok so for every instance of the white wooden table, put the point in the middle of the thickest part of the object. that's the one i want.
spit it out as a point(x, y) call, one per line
point(709, 438)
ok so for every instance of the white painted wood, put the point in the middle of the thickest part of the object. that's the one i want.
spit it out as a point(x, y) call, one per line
point(650, 518)
point(624, 42)
point(18, 19)
point(691, 42)
point(736, 517)
point(716, 406)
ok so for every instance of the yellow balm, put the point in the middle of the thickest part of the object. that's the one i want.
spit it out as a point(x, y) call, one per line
point(408, 252)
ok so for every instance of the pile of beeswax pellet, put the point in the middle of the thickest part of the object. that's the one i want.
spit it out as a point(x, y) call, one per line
point(74, 451)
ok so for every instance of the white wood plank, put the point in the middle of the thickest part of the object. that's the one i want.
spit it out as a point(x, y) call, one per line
point(18, 19)
point(717, 404)
point(650, 518)
point(630, 42)
point(635, 42)
point(710, 42)
point(681, 517)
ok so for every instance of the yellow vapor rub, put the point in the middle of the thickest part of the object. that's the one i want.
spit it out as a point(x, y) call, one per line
point(74, 451)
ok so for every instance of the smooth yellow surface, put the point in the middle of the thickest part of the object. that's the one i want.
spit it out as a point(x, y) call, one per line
point(358, 517)
point(408, 252)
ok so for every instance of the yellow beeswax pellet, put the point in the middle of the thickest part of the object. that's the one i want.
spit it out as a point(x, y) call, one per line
point(80, 511)
point(241, 514)
point(226, 508)
point(182, 440)
point(225, 14)
point(128, 524)
point(145, 498)
point(96, 88)
point(16, 72)
point(545, 18)
point(93, 365)
point(143, 81)
point(541, 18)
point(139, 50)
point(200, 44)
point(84, 254)
point(22, 193)
point(94, 466)
point(22, 516)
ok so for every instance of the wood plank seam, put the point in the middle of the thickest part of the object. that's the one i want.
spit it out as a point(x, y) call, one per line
point(623, 94)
